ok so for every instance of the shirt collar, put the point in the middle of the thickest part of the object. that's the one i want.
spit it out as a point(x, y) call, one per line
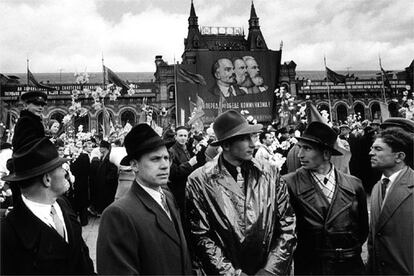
point(392, 177)
point(156, 195)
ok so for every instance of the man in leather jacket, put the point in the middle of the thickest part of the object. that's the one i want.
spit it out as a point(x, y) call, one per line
point(240, 215)
point(330, 206)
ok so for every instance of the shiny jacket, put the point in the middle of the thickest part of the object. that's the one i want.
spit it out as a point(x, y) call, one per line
point(330, 236)
point(231, 230)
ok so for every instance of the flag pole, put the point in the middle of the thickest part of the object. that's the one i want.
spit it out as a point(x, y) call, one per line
point(327, 85)
point(382, 78)
point(27, 72)
point(175, 91)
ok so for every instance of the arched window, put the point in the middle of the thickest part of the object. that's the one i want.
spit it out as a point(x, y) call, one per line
point(171, 92)
point(342, 113)
point(58, 116)
point(359, 110)
point(84, 121)
point(375, 111)
point(128, 117)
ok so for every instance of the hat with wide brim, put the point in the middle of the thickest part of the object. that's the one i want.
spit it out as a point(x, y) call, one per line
point(405, 124)
point(231, 124)
point(322, 135)
point(141, 139)
point(34, 159)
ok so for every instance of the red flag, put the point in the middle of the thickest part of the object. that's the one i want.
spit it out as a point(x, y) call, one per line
point(33, 81)
point(386, 79)
point(186, 76)
point(115, 79)
point(335, 77)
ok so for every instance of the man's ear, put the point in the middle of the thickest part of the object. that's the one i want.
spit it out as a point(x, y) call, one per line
point(400, 157)
point(46, 180)
point(134, 165)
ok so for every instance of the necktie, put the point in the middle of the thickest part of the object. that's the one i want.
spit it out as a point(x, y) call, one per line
point(230, 91)
point(164, 204)
point(240, 179)
point(384, 184)
point(58, 222)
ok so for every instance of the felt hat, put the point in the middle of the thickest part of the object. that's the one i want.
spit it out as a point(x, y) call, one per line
point(321, 134)
point(230, 124)
point(34, 158)
point(141, 139)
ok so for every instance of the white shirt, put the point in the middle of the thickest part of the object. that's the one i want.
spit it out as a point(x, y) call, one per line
point(225, 90)
point(392, 179)
point(42, 211)
point(156, 195)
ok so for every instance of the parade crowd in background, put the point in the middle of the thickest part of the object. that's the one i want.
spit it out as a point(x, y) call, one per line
point(237, 198)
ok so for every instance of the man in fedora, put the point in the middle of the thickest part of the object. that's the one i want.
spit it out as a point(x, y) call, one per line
point(241, 221)
point(141, 232)
point(330, 207)
point(41, 235)
point(390, 241)
point(30, 123)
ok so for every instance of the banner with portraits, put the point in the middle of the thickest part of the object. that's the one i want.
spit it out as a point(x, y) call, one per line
point(219, 81)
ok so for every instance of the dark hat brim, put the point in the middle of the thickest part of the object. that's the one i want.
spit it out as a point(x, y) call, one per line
point(318, 142)
point(47, 167)
point(151, 146)
point(243, 130)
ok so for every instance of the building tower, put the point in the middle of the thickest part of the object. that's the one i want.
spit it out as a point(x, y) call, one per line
point(255, 38)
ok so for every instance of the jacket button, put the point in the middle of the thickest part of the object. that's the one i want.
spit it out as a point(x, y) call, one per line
point(382, 263)
point(379, 234)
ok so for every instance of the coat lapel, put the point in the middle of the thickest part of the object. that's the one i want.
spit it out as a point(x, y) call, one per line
point(308, 194)
point(400, 191)
point(343, 197)
point(163, 221)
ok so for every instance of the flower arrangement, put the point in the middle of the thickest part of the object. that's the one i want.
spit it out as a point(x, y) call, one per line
point(407, 104)
point(286, 107)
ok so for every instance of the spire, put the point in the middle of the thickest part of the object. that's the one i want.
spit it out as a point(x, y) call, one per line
point(253, 12)
point(192, 11)
point(255, 38)
point(193, 19)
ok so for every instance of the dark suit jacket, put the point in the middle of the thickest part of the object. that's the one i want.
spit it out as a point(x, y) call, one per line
point(106, 181)
point(390, 242)
point(80, 169)
point(28, 127)
point(29, 246)
point(325, 227)
point(137, 237)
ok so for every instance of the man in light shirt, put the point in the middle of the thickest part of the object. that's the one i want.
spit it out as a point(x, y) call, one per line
point(41, 235)
point(390, 242)
point(330, 207)
point(141, 233)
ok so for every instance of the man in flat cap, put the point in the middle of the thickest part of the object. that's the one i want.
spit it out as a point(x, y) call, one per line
point(41, 235)
point(141, 233)
point(30, 124)
point(390, 241)
point(241, 221)
point(330, 207)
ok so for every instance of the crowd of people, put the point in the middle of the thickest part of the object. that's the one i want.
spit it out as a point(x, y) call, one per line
point(239, 198)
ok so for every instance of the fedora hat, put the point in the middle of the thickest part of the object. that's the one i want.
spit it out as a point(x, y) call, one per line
point(321, 134)
point(141, 139)
point(36, 97)
point(33, 159)
point(230, 124)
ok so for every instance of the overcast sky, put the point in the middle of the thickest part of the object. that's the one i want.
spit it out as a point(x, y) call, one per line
point(71, 35)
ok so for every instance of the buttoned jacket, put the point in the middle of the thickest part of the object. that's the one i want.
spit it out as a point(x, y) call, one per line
point(136, 236)
point(233, 230)
point(390, 242)
point(29, 246)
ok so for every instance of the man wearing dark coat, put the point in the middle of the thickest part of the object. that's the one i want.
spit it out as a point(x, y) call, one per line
point(181, 165)
point(390, 241)
point(330, 207)
point(41, 235)
point(141, 232)
point(241, 221)
point(106, 178)
point(80, 169)
point(30, 125)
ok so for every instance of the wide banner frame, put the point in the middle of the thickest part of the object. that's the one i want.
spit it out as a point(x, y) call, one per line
point(203, 88)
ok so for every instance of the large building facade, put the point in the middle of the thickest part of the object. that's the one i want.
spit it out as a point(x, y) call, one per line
point(356, 96)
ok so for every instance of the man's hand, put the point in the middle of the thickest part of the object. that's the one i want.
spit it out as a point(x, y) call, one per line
point(193, 161)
